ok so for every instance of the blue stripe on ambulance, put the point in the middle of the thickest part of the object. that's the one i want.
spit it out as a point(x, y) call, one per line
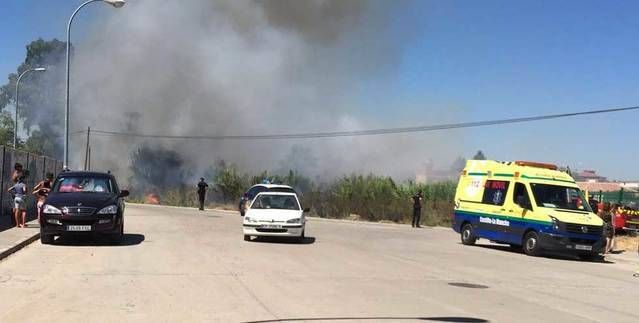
point(507, 229)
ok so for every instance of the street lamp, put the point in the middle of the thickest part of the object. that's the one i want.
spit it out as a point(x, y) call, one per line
point(115, 4)
point(15, 129)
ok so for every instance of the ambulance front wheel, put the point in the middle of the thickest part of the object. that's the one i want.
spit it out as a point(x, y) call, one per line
point(531, 244)
point(468, 235)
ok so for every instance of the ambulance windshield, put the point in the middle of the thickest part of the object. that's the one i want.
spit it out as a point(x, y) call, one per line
point(559, 197)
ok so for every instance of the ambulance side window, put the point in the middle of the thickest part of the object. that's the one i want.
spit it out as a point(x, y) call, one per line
point(495, 192)
point(521, 197)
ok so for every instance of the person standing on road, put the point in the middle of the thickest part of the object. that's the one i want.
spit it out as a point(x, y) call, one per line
point(417, 209)
point(606, 215)
point(19, 191)
point(202, 187)
point(41, 190)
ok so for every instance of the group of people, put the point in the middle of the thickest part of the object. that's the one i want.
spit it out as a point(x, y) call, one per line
point(19, 192)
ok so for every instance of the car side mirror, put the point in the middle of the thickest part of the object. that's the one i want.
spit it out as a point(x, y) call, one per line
point(524, 203)
point(306, 210)
point(123, 193)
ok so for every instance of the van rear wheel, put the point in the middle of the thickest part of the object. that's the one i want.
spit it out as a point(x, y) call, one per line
point(531, 244)
point(468, 235)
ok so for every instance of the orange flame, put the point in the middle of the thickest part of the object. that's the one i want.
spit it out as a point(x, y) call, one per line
point(151, 198)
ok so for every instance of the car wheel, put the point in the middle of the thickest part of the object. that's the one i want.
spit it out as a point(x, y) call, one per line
point(46, 238)
point(247, 238)
point(468, 235)
point(116, 238)
point(531, 244)
point(301, 238)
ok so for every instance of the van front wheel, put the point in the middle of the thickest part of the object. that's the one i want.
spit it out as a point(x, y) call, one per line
point(468, 235)
point(531, 244)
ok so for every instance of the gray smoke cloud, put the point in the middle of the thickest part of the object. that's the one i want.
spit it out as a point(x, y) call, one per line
point(227, 67)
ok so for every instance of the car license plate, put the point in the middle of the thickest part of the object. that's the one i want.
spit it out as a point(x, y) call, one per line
point(271, 226)
point(583, 247)
point(78, 228)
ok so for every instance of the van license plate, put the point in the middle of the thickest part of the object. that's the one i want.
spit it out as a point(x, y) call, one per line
point(78, 228)
point(583, 247)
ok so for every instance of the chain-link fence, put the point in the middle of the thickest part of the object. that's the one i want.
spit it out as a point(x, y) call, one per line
point(35, 168)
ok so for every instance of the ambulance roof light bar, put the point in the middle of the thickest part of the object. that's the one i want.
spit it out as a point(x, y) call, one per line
point(536, 164)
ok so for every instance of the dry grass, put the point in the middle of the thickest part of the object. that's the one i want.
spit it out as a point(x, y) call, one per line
point(626, 242)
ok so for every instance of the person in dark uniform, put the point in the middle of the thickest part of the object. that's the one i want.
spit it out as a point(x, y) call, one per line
point(417, 209)
point(202, 187)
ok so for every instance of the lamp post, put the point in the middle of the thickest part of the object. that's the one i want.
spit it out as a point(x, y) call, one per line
point(15, 128)
point(115, 4)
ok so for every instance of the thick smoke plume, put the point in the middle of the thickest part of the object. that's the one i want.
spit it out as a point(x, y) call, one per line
point(203, 67)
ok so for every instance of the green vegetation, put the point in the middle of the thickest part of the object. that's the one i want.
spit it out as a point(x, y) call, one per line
point(366, 198)
point(379, 198)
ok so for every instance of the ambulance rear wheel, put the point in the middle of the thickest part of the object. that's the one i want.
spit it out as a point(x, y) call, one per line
point(531, 244)
point(468, 235)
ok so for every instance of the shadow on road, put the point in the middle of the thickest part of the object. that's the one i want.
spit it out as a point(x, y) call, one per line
point(549, 255)
point(377, 318)
point(129, 239)
point(284, 240)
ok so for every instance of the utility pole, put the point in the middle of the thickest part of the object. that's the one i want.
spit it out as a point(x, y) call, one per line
point(86, 152)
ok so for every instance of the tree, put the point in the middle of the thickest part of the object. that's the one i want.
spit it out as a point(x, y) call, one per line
point(229, 182)
point(479, 155)
point(39, 143)
point(41, 95)
point(6, 129)
point(156, 168)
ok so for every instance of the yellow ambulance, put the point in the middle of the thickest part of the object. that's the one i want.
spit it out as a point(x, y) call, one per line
point(527, 205)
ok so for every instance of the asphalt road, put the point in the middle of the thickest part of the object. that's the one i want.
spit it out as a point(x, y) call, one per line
point(182, 265)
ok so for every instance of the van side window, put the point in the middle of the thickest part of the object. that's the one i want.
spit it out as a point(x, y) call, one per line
point(495, 192)
point(521, 193)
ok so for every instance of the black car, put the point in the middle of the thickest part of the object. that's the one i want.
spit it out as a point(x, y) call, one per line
point(83, 203)
point(259, 188)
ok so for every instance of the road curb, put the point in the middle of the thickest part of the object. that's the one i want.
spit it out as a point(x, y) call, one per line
point(20, 245)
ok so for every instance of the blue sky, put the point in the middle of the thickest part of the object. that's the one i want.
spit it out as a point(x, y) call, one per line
point(469, 61)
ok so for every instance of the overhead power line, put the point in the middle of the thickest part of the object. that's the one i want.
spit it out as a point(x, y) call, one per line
point(370, 132)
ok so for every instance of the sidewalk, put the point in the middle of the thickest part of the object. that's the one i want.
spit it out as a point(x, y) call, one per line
point(14, 239)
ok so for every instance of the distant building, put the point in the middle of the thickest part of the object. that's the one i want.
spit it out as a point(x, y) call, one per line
point(588, 175)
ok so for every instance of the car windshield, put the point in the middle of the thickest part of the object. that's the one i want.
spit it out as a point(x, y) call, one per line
point(83, 184)
point(559, 197)
point(273, 201)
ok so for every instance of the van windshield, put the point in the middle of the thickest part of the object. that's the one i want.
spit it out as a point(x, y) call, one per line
point(559, 197)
